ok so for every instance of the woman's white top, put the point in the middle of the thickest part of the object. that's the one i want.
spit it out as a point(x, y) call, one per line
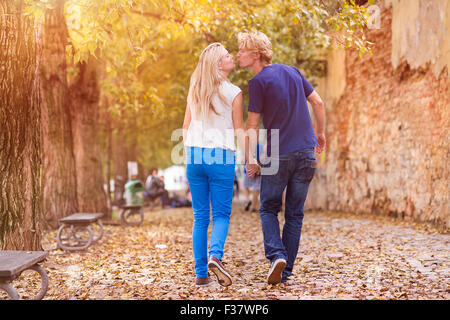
point(218, 130)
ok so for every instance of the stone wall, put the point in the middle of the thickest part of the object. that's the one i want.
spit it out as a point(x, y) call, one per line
point(388, 120)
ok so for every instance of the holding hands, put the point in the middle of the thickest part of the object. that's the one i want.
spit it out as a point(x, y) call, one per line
point(252, 169)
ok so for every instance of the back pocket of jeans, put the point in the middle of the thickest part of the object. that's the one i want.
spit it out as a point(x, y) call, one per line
point(281, 174)
point(311, 167)
point(307, 170)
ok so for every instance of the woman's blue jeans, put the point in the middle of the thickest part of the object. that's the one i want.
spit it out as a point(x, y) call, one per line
point(210, 174)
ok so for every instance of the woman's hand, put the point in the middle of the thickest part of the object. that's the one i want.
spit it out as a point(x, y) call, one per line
point(252, 169)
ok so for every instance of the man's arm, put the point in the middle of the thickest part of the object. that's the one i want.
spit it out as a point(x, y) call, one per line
point(319, 114)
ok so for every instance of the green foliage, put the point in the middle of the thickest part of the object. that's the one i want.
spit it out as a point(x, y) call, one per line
point(150, 48)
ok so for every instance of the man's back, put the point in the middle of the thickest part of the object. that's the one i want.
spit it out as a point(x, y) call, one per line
point(279, 94)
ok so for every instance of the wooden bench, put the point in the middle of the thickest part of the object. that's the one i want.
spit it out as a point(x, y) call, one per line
point(131, 215)
point(13, 263)
point(75, 233)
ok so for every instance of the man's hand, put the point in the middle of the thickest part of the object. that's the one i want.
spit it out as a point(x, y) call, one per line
point(252, 169)
point(322, 143)
point(319, 114)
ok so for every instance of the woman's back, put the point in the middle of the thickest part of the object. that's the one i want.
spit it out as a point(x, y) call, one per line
point(217, 131)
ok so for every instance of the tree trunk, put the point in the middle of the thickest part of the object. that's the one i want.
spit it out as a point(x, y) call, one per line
point(84, 112)
point(108, 167)
point(120, 165)
point(20, 133)
point(105, 122)
point(59, 176)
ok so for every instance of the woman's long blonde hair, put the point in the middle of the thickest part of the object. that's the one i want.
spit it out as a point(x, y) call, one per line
point(205, 81)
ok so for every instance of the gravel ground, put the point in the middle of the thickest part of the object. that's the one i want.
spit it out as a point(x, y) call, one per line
point(341, 256)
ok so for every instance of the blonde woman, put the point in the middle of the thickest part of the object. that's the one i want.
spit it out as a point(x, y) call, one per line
point(213, 116)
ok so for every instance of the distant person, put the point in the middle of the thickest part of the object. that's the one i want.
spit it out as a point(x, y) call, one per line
point(236, 188)
point(119, 190)
point(253, 184)
point(154, 187)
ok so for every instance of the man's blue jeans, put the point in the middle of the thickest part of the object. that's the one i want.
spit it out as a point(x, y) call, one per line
point(296, 170)
point(210, 174)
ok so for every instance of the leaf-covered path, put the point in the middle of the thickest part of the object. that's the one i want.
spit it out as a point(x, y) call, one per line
point(342, 256)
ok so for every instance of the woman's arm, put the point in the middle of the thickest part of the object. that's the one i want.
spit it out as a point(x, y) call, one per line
point(252, 141)
point(241, 133)
point(238, 122)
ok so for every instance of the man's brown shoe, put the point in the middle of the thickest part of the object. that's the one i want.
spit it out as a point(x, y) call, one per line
point(216, 266)
point(204, 282)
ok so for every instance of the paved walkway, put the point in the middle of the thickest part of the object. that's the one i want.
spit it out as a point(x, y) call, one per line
point(342, 256)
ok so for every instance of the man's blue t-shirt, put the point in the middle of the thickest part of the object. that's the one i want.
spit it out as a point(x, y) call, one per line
point(279, 94)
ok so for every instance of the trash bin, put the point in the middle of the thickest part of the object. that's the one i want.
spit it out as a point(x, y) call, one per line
point(134, 193)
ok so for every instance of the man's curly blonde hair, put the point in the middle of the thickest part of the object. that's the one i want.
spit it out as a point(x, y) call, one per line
point(257, 42)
